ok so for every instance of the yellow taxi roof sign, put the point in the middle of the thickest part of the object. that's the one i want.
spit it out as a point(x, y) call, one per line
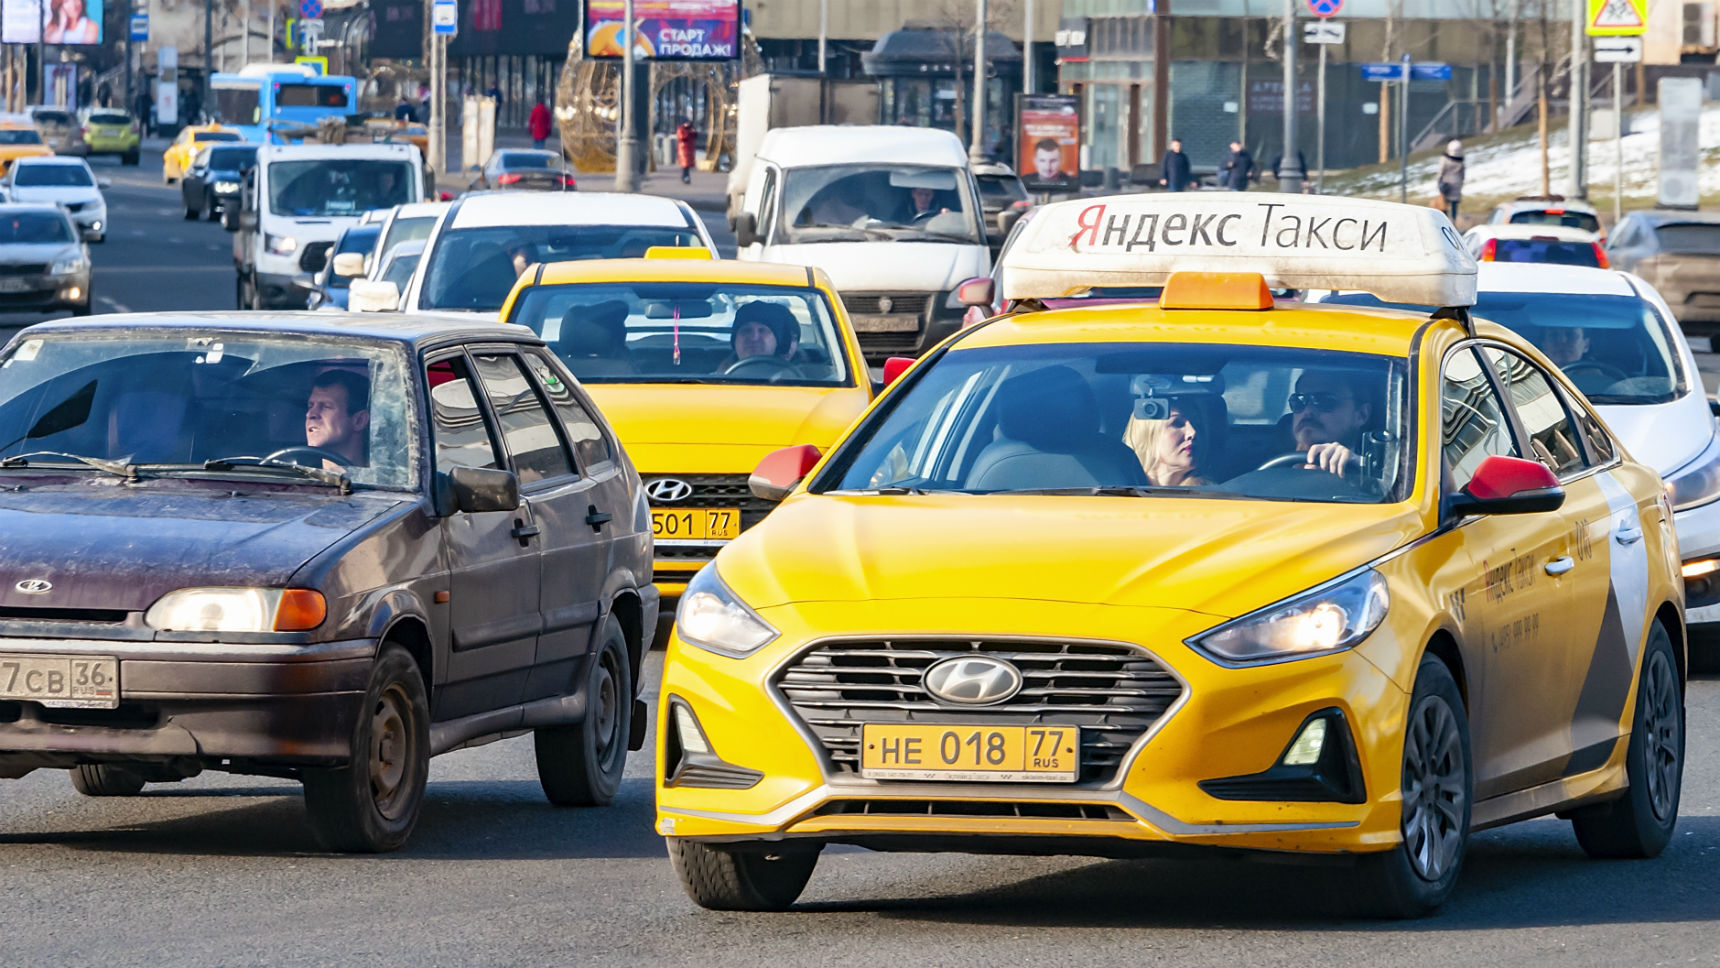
point(677, 252)
point(1399, 253)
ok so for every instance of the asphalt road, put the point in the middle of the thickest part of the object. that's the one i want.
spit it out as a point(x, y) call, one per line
point(223, 870)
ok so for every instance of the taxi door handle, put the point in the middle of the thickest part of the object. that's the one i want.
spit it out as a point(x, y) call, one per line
point(1626, 536)
point(1560, 565)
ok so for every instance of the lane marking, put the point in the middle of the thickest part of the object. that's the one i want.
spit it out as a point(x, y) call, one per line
point(1701, 344)
point(117, 306)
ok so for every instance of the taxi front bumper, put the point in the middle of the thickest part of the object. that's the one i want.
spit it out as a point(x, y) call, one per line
point(770, 777)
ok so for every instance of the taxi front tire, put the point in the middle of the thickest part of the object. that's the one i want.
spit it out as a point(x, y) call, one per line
point(763, 877)
point(1639, 824)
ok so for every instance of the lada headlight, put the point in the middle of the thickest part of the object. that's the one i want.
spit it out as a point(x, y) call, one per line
point(67, 264)
point(238, 610)
point(712, 618)
point(1325, 619)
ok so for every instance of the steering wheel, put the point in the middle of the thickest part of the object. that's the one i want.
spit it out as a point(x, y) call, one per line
point(1607, 370)
point(318, 453)
point(762, 367)
point(923, 217)
point(1300, 459)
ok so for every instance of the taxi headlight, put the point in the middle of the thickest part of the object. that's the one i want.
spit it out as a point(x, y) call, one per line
point(1326, 619)
point(226, 187)
point(238, 610)
point(1697, 482)
point(67, 264)
point(712, 618)
point(280, 244)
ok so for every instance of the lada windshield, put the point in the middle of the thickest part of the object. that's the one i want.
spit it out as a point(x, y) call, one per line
point(474, 269)
point(675, 332)
point(1148, 419)
point(338, 186)
point(848, 203)
point(185, 398)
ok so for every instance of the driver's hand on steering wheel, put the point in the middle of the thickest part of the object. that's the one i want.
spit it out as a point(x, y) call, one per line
point(1329, 457)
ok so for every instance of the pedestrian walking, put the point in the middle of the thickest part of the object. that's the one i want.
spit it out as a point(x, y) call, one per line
point(1237, 168)
point(1450, 179)
point(686, 144)
point(539, 123)
point(1174, 172)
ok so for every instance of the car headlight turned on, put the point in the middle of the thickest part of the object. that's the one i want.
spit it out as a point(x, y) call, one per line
point(280, 244)
point(67, 264)
point(238, 610)
point(226, 187)
point(1326, 619)
point(710, 617)
point(1698, 482)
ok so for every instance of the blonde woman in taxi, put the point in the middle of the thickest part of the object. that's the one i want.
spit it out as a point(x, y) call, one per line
point(1166, 448)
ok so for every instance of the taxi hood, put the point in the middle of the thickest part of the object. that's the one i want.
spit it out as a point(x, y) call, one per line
point(755, 416)
point(1220, 557)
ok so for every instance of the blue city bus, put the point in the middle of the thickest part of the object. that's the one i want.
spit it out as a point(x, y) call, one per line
point(262, 100)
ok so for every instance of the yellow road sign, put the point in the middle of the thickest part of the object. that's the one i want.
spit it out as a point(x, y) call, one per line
point(319, 64)
point(1617, 18)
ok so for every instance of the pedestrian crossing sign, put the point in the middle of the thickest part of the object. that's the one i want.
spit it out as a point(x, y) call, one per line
point(1617, 18)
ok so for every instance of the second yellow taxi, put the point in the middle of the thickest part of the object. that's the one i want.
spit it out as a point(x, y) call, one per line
point(190, 140)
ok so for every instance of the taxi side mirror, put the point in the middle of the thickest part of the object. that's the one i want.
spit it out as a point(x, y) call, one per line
point(781, 470)
point(978, 291)
point(372, 296)
point(1509, 485)
point(746, 229)
point(894, 367)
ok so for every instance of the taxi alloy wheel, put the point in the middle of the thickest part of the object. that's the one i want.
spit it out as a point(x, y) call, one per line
point(756, 877)
point(1415, 877)
point(371, 804)
point(1639, 823)
point(581, 765)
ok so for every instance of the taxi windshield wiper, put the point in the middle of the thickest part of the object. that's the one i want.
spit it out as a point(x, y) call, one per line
point(118, 468)
point(336, 479)
point(1125, 490)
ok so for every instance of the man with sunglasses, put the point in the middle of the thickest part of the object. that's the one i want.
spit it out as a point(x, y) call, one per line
point(1327, 418)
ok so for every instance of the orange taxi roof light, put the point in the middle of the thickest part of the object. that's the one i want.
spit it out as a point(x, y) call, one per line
point(678, 252)
point(1216, 290)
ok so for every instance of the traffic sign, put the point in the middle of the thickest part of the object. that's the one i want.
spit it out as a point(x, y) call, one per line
point(1324, 9)
point(1617, 18)
point(445, 17)
point(140, 27)
point(310, 9)
point(1430, 71)
point(318, 64)
point(1382, 72)
point(1323, 32)
point(1618, 50)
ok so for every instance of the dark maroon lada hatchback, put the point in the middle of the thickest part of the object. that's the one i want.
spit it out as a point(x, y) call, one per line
point(294, 545)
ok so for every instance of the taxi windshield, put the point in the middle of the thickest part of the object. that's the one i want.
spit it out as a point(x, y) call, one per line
point(847, 203)
point(187, 398)
point(688, 332)
point(474, 269)
point(337, 186)
point(1616, 349)
point(1147, 419)
point(19, 136)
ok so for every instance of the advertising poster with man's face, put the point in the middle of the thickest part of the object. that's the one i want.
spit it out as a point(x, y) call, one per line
point(1050, 127)
point(65, 22)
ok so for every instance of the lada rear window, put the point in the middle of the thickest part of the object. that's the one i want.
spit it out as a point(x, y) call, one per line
point(1148, 419)
point(176, 399)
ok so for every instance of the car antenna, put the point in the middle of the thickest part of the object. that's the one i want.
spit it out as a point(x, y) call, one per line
point(1458, 313)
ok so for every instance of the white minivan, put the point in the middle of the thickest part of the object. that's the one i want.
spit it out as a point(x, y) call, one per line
point(891, 213)
point(296, 201)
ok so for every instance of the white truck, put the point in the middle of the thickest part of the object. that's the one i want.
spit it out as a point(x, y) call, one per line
point(296, 200)
point(891, 213)
point(767, 101)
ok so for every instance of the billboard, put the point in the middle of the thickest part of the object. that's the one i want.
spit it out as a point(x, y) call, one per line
point(691, 30)
point(1049, 141)
point(68, 22)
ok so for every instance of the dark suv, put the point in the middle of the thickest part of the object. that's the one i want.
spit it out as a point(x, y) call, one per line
point(321, 550)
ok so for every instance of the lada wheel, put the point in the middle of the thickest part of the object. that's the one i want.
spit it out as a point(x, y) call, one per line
point(371, 805)
point(581, 765)
point(1639, 824)
point(105, 780)
point(1415, 877)
point(763, 877)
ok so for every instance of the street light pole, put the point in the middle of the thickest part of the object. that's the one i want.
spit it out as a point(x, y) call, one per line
point(627, 146)
point(976, 149)
point(208, 52)
point(1027, 50)
point(1289, 169)
point(1577, 179)
point(823, 32)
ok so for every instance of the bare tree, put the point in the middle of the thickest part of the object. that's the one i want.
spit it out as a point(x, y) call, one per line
point(953, 23)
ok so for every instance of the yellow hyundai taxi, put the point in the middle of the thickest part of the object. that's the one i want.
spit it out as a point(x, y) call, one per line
point(703, 367)
point(1216, 570)
point(190, 140)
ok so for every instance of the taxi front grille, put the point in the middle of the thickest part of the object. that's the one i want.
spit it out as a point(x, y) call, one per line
point(989, 809)
point(1113, 692)
point(706, 491)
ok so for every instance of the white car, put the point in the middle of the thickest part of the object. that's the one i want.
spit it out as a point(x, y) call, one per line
point(59, 180)
point(1554, 244)
point(1549, 210)
point(402, 223)
point(1616, 339)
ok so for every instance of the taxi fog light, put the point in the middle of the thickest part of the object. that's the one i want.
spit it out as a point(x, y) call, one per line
point(692, 740)
point(238, 610)
point(1308, 745)
point(1326, 619)
point(1696, 569)
point(711, 617)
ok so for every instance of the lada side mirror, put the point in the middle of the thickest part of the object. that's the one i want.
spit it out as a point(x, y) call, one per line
point(372, 296)
point(477, 489)
point(746, 229)
point(781, 470)
point(1509, 485)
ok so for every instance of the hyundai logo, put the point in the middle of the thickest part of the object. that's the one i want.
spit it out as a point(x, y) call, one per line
point(34, 586)
point(973, 680)
point(668, 490)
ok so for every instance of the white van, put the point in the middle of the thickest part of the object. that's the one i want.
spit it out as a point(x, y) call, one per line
point(296, 201)
point(891, 213)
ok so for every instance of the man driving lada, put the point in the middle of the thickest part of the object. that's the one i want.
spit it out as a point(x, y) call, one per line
point(337, 417)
